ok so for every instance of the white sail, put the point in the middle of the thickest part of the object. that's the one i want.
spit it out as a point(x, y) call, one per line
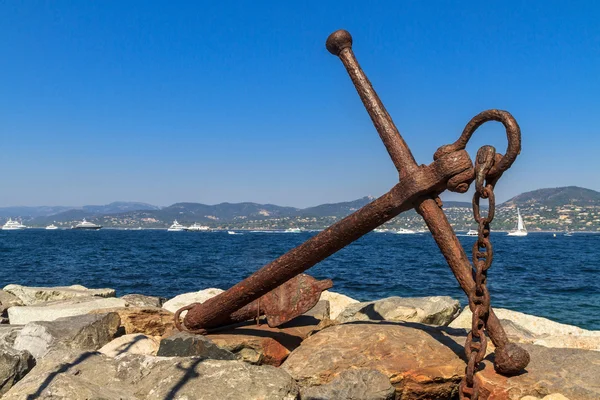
point(520, 224)
point(520, 231)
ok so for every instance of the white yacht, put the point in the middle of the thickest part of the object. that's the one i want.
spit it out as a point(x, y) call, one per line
point(521, 230)
point(472, 232)
point(51, 227)
point(11, 225)
point(87, 226)
point(198, 228)
point(293, 230)
point(232, 233)
point(404, 231)
point(176, 227)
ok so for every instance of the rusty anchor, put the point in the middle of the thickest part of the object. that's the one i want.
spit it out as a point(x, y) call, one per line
point(419, 187)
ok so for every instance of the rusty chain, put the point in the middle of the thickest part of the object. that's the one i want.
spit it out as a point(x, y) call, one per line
point(483, 254)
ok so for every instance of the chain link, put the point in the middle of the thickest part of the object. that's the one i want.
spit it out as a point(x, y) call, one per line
point(483, 254)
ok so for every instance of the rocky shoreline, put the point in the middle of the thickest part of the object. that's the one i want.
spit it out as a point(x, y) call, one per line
point(79, 343)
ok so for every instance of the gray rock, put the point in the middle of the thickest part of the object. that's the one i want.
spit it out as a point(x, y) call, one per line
point(36, 295)
point(135, 343)
point(8, 300)
point(8, 334)
point(58, 309)
point(524, 328)
point(95, 376)
point(434, 310)
point(337, 302)
point(185, 299)
point(320, 311)
point(184, 344)
point(14, 365)
point(354, 384)
point(140, 300)
point(80, 333)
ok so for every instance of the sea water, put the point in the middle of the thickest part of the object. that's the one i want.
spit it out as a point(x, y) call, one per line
point(553, 277)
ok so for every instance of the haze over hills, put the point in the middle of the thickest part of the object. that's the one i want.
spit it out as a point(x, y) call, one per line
point(561, 208)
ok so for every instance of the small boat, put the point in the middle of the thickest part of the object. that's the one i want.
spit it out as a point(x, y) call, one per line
point(51, 227)
point(404, 231)
point(521, 230)
point(11, 225)
point(176, 227)
point(231, 233)
point(293, 230)
point(198, 228)
point(85, 225)
point(381, 230)
point(568, 233)
point(472, 232)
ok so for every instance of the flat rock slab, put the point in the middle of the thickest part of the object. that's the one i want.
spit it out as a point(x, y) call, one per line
point(184, 344)
point(185, 299)
point(95, 376)
point(136, 343)
point(30, 295)
point(264, 345)
point(151, 321)
point(59, 309)
point(353, 384)
point(84, 332)
point(14, 365)
point(573, 373)
point(420, 363)
point(524, 328)
point(433, 310)
point(140, 300)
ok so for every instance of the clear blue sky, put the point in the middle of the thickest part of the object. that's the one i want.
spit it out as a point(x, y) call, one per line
point(164, 102)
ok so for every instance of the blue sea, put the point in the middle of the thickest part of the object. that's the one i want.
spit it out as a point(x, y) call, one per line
point(553, 277)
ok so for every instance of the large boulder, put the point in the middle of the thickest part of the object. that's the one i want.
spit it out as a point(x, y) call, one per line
point(151, 321)
point(59, 309)
point(14, 364)
point(434, 310)
point(37, 295)
point(353, 384)
point(337, 302)
point(185, 299)
point(184, 344)
point(140, 300)
point(524, 328)
point(80, 333)
point(93, 375)
point(135, 343)
point(8, 300)
point(420, 363)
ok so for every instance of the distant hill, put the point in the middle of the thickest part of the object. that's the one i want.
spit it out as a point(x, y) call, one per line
point(554, 197)
point(118, 207)
point(31, 211)
point(336, 209)
point(571, 208)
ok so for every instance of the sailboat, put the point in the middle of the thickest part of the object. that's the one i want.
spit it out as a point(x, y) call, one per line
point(521, 230)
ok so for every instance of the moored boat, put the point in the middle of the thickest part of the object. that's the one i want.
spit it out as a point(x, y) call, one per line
point(196, 227)
point(11, 225)
point(51, 227)
point(86, 225)
point(176, 227)
point(520, 230)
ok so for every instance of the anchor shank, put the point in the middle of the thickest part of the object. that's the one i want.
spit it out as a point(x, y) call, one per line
point(457, 259)
point(426, 180)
